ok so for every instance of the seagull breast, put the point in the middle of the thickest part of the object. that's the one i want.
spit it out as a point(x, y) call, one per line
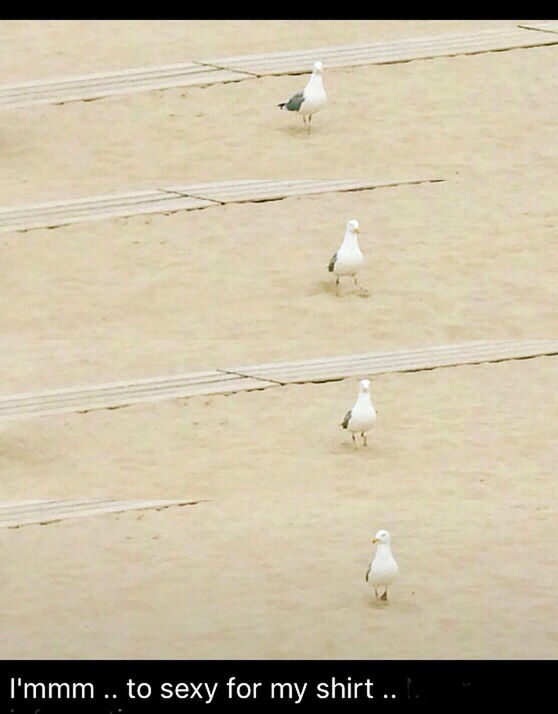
point(349, 260)
point(315, 97)
point(362, 415)
point(384, 569)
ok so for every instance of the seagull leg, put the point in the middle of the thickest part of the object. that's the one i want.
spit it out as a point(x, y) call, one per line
point(384, 596)
point(309, 120)
point(304, 119)
point(356, 281)
point(364, 442)
point(353, 437)
point(376, 592)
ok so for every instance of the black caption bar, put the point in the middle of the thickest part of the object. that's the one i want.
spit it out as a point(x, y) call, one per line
point(124, 686)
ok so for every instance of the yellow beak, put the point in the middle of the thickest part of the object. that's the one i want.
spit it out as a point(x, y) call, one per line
point(375, 540)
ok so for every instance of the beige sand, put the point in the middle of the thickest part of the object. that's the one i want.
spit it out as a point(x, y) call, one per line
point(271, 563)
point(496, 421)
point(487, 116)
point(460, 469)
point(53, 49)
point(248, 283)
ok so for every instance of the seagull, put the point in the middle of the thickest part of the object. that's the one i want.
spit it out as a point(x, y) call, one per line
point(349, 259)
point(383, 569)
point(363, 415)
point(311, 99)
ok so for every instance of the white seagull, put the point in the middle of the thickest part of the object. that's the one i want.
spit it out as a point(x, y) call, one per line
point(349, 259)
point(363, 415)
point(311, 99)
point(383, 569)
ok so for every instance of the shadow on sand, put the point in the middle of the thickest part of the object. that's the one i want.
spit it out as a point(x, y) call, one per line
point(328, 287)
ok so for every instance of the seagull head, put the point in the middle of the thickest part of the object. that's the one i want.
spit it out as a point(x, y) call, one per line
point(382, 537)
point(365, 385)
point(318, 67)
point(353, 226)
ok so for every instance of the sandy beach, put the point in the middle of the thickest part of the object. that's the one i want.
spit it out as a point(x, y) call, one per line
point(460, 468)
point(68, 47)
point(270, 560)
point(486, 116)
point(248, 283)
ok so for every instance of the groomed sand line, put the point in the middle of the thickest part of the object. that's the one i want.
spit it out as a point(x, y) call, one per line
point(14, 514)
point(234, 69)
point(263, 376)
point(186, 197)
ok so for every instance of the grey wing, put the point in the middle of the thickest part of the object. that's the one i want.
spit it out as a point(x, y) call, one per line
point(332, 263)
point(347, 418)
point(295, 102)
